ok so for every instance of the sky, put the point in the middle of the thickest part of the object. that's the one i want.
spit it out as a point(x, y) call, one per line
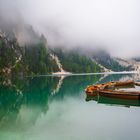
point(112, 25)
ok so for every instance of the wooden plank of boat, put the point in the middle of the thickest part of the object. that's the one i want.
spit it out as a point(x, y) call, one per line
point(137, 83)
point(120, 94)
point(91, 94)
point(109, 85)
point(124, 83)
point(120, 83)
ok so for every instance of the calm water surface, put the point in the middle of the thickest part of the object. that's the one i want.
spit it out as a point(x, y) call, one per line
point(56, 108)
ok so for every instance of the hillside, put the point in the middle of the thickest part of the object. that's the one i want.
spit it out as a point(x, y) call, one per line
point(25, 52)
point(73, 61)
point(30, 59)
point(35, 58)
point(111, 63)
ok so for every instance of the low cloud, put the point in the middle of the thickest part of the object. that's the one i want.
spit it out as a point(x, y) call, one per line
point(105, 24)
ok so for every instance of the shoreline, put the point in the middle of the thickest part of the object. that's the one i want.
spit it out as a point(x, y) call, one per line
point(78, 74)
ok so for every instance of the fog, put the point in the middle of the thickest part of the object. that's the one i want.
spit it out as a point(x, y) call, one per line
point(90, 24)
point(75, 119)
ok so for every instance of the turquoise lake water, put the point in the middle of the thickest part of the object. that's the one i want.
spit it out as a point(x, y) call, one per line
point(56, 108)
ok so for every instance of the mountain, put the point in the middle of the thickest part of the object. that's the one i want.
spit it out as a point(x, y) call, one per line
point(26, 52)
point(10, 56)
point(73, 61)
point(28, 59)
point(36, 58)
point(112, 63)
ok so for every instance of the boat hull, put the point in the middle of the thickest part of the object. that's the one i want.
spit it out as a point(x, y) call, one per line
point(114, 101)
point(120, 94)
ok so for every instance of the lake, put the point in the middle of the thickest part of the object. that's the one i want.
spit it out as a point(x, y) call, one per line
point(56, 108)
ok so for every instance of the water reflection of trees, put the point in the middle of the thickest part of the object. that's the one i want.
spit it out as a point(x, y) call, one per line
point(16, 93)
point(21, 96)
point(74, 85)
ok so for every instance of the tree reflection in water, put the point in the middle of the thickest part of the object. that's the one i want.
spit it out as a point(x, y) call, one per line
point(23, 101)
